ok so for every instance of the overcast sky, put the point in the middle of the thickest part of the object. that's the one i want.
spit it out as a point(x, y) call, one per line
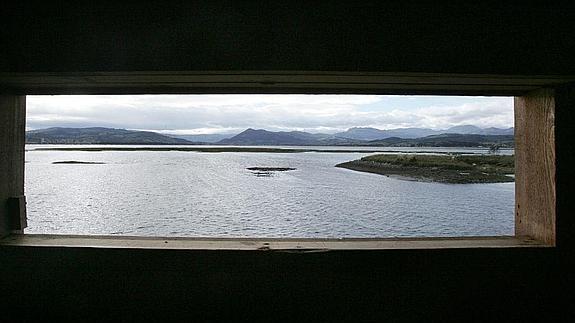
point(201, 114)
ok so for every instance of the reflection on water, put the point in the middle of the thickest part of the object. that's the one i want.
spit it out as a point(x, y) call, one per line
point(195, 194)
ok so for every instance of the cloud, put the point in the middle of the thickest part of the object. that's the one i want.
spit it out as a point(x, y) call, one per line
point(495, 113)
point(233, 113)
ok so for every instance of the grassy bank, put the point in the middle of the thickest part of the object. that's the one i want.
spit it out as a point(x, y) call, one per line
point(459, 169)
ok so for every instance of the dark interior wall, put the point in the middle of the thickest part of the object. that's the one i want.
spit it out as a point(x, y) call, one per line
point(355, 286)
point(486, 37)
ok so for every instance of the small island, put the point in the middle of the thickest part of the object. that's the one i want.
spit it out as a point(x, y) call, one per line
point(454, 169)
point(270, 169)
point(267, 171)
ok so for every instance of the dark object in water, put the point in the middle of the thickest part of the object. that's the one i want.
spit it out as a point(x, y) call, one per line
point(77, 162)
point(270, 169)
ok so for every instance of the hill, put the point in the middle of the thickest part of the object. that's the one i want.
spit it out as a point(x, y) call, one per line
point(205, 138)
point(259, 137)
point(99, 135)
point(253, 137)
point(448, 140)
point(367, 133)
point(473, 130)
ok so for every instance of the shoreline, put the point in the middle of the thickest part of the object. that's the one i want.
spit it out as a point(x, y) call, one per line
point(255, 149)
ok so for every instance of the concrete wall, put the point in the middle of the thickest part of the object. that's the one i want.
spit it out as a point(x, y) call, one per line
point(446, 37)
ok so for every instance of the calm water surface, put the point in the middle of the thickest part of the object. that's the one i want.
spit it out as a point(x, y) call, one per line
point(192, 194)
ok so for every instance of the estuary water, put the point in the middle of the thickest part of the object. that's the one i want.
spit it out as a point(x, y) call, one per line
point(195, 194)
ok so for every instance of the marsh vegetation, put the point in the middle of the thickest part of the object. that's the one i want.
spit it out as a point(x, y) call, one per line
point(460, 169)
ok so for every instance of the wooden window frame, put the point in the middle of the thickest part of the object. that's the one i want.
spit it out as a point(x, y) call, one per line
point(535, 193)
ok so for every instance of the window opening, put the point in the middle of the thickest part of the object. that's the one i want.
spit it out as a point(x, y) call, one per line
point(285, 166)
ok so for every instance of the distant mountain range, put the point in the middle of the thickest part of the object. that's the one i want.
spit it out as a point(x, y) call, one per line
point(408, 133)
point(466, 136)
point(371, 136)
point(253, 137)
point(99, 135)
point(448, 140)
point(207, 138)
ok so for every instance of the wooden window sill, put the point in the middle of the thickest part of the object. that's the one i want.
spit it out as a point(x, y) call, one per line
point(265, 244)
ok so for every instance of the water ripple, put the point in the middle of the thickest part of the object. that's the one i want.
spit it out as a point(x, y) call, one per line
point(212, 195)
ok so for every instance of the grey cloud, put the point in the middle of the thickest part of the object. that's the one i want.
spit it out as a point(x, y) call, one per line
point(285, 112)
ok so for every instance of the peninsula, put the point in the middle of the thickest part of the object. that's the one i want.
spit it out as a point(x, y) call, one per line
point(455, 169)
